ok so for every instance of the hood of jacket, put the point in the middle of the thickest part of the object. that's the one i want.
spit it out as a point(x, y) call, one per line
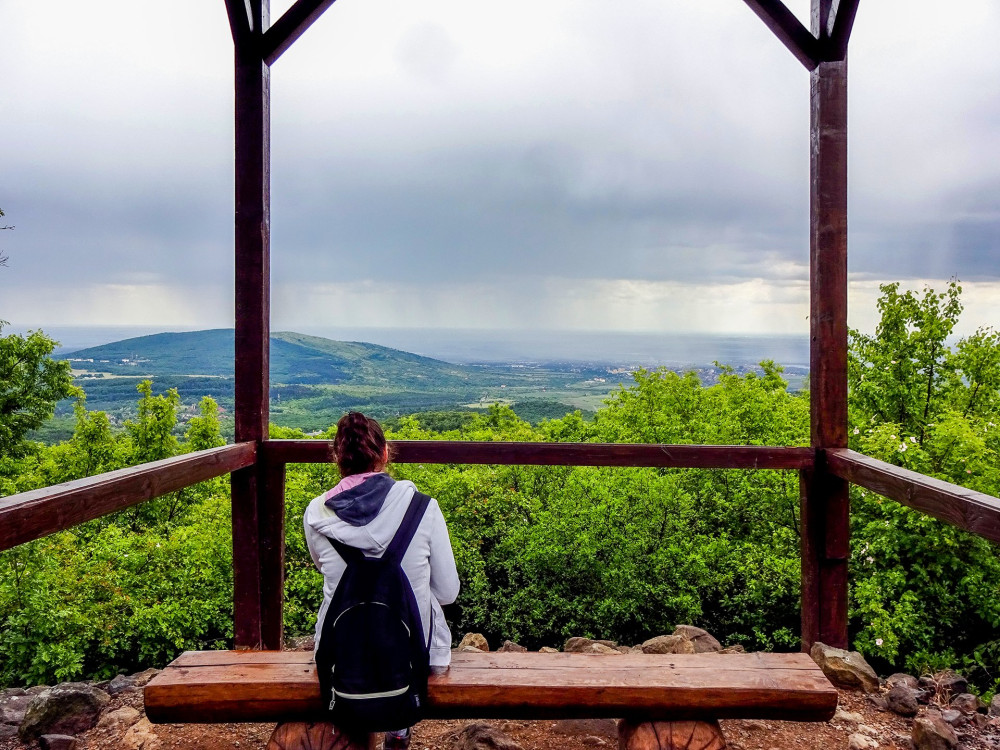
point(366, 516)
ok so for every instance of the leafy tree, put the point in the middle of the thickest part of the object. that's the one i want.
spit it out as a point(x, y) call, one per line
point(31, 383)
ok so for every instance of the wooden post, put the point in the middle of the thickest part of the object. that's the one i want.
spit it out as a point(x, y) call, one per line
point(256, 530)
point(825, 506)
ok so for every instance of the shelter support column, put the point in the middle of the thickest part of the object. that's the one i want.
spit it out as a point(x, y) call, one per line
point(825, 511)
point(258, 507)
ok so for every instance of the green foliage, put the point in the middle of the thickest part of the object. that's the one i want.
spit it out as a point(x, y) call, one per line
point(549, 552)
point(31, 383)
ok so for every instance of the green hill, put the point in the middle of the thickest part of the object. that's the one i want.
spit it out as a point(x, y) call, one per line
point(314, 379)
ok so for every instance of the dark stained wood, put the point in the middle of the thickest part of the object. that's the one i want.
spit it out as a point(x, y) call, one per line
point(561, 454)
point(825, 503)
point(240, 18)
point(788, 29)
point(835, 46)
point(670, 735)
point(292, 24)
point(34, 514)
point(319, 735)
point(253, 231)
point(276, 686)
point(959, 506)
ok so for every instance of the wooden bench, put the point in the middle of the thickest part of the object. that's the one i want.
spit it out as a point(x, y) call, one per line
point(665, 701)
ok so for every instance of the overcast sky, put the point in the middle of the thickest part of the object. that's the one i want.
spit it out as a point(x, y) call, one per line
point(544, 163)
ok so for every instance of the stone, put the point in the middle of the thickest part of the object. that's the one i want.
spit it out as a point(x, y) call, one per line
point(848, 717)
point(600, 648)
point(931, 733)
point(12, 692)
point(548, 650)
point(951, 683)
point(594, 741)
point(125, 716)
point(68, 708)
point(869, 730)
point(668, 644)
point(12, 709)
point(902, 700)
point(478, 735)
point(36, 689)
point(469, 649)
point(584, 727)
point(858, 741)
point(967, 703)
point(7, 731)
point(900, 678)
point(579, 645)
point(703, 641)
point(476, 640)
point(954, 717)
point(141, 736)
point(736, 648)
point(509, 647)
point(142, 678)
point(57, 742)
point(845, 668)
point(877, 700)
point(994, 709)
point(302, 643)
point(120, 684)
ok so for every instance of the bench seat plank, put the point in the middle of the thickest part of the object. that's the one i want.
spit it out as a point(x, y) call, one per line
point(225, 686)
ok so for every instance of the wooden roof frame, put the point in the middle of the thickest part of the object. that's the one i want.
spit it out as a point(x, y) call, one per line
point(256, 464)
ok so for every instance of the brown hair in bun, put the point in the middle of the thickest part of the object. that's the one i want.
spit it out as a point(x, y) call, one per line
point(360, 444)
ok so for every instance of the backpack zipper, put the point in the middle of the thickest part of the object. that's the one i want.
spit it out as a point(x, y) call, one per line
point(367, 696)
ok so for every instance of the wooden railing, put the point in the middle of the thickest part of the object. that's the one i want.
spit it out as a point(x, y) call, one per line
point(38, 513)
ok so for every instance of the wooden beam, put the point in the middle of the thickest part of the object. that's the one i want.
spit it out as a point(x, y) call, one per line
point(38, 513)
point(959, 506)
point(253, 239)
point(225, 686)
point(825, 500)
point(290, 27)
point(560, 454)
point(240, 18)
point(835, 46)
point(789, 30)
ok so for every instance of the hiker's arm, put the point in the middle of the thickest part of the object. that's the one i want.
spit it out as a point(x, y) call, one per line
point(444, 574)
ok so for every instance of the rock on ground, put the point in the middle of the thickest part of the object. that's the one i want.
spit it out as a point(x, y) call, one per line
point(511, 647)
point(478, 735)
point(475, 640)
point(579, 645)
point(845, 668)
point(703, 641)
point(69, 708)
point(931, 733)
point(668, 644)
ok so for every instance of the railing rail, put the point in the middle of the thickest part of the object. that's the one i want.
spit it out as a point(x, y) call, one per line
point(561, 454)
point(959, 506)
point(38, 513)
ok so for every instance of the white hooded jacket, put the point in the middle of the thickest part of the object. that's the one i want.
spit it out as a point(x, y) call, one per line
point(429, 562)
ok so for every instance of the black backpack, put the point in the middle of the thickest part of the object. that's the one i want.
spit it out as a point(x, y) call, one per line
point(373, 659)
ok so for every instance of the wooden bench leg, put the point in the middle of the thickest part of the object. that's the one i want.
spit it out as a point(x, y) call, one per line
point(670, 735)
point(319, 735)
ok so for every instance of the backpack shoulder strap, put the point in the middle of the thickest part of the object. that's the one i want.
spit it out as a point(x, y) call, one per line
point(408, 526)
point(348, 553)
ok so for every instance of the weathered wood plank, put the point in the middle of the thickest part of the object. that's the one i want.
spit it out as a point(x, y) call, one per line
point(835, 46)
point(251, 407)
point(34, 514)
point(561, 454)
point(292, 24)
point(277, 686)
point(789, 30)
point(967, 509)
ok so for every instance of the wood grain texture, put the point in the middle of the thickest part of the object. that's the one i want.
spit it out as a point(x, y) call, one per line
point(951, 503)
point(253, 238)
point(319, 735)
point(34, 514)
point(834, 46)
point(277, 686)
point(292, 24)
point(562, 454)
point(670, 735)
point(789, 30)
